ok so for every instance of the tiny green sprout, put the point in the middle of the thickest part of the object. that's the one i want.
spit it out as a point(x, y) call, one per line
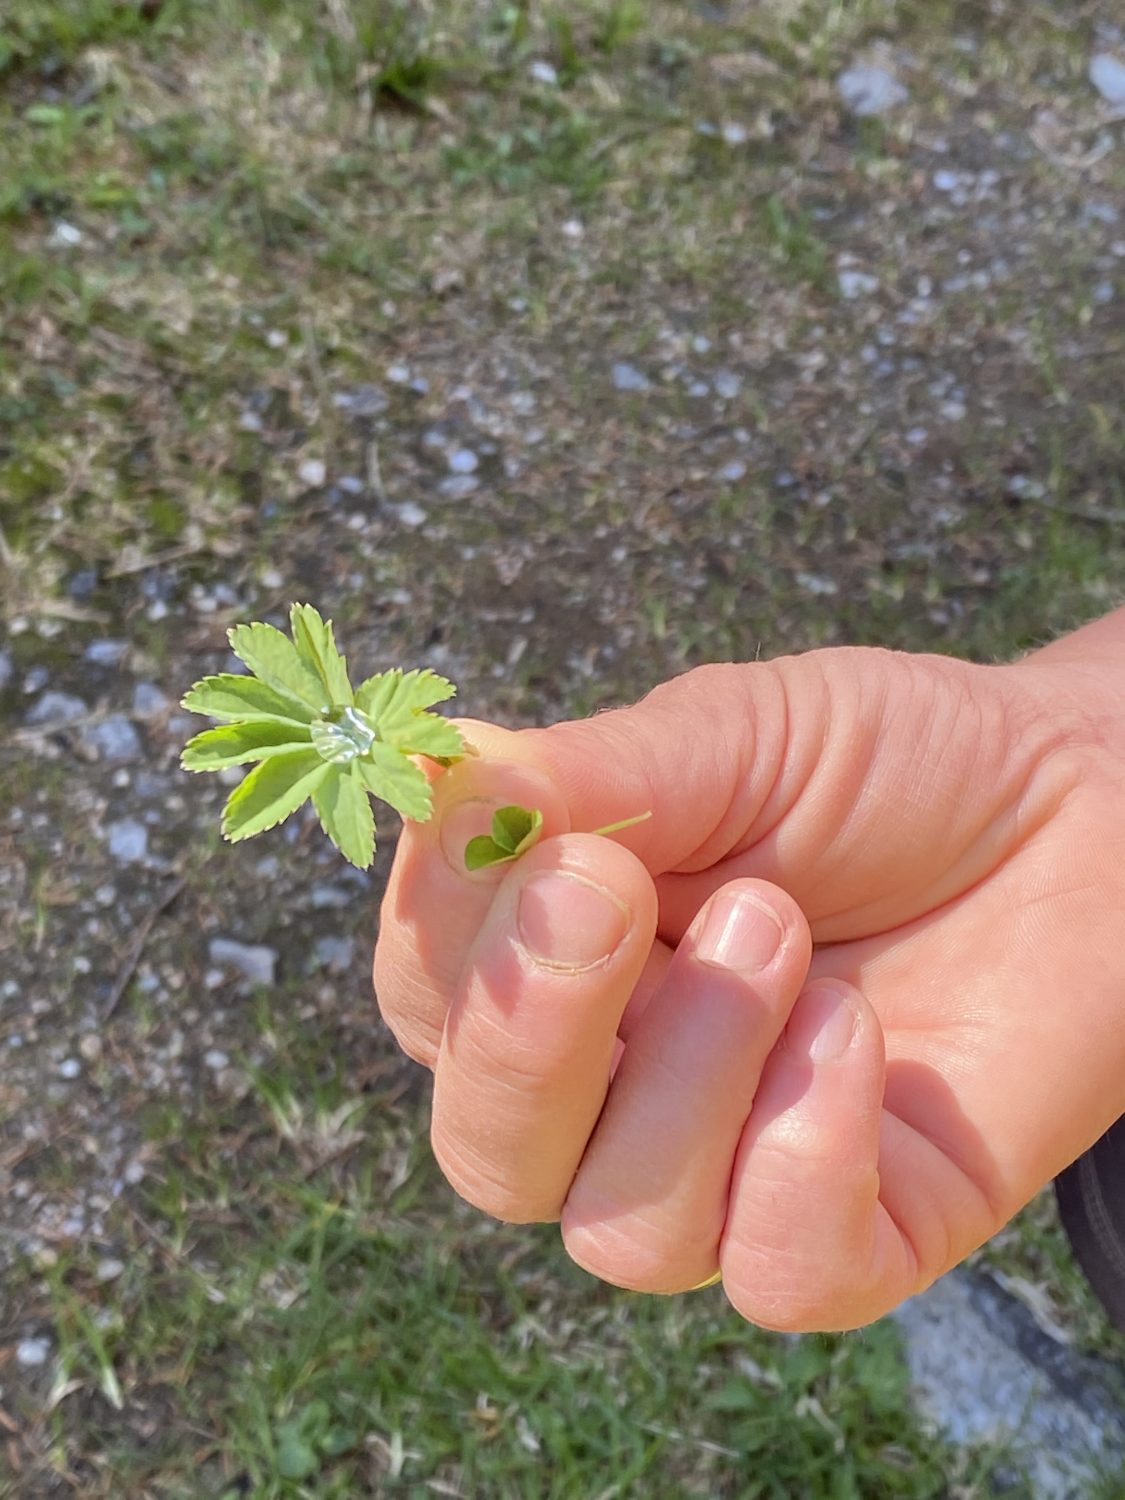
point(515, 830)
point(313, 736)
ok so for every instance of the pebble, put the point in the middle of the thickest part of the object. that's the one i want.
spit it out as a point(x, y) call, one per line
point(105, 653)
point(411, 515)
point(113, 739)
point(947, 181)
point(327, 896)
point(335, 953)
point(253, 961)
point(127, 840)
point(149, 700)
point(32, 1352)
point(463, 461)
point(70, 1067)
point(109, 1269)
point(727, 384)
point(66, 236)
point(868, 90)
point(276, 339)
point(398, 373)
point(544, 72)
point(216, 1060)
point(1107, 74)
point(57, 708)
point(733, 471)
point(855, 284)
point(627, 377)
point(313, 472)
point(457, 486)
point(5, 669)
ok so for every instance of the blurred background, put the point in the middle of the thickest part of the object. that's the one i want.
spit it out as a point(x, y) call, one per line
point(559, 347)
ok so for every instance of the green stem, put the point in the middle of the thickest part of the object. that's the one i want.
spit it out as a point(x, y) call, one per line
point(625, 823)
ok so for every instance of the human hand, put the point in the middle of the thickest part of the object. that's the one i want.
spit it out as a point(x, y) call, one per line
point(948, 836)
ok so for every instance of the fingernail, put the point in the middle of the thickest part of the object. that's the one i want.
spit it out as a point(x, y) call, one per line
point(822, 1024)
point(464, 821)
point(739, 933)
point(568, 922)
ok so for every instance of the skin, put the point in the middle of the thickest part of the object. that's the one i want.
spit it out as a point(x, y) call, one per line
point(941, 848)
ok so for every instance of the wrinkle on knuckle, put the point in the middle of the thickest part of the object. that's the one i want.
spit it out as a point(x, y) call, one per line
point(474, 1178)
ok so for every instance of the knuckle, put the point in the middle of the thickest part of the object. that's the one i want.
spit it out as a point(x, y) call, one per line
point(634, 1252)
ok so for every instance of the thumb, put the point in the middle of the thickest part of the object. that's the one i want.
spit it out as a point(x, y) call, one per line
point(868, 784)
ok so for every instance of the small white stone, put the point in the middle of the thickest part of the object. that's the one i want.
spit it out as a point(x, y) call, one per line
point(735, 134)
point(32, 1352)
point(216, 1060)
point(574, 229)
point(727, 384)
point(1107, 74)
point(276, 339)
point(544, 72)
point(855, 284)
point(313, 472)
point(398, 373)
point(66, 236)
point(733, 471)
point(70, 1067)
point(90, 1046)
point(953, 411)
point(109, 1269)
point(127, 840)
point(627, 377)
point(250, 421)
point(411, 515)
point(916, 436)
point(463, 461)
point(253, 961)
point(947, 181)
point(868, 90)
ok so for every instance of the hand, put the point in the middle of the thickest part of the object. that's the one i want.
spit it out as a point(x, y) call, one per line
point(914, 1016)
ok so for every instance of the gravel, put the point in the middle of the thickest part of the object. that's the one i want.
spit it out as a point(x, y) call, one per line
point(114, 738)
point(57, 708)
point(252, 961)
point(869, 90)
point(127, 840)
point(627, 377)
point(1107, 74)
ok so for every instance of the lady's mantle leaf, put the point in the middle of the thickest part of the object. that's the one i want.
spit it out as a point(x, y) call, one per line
point(515, 830)
point(396, 701)
point(392, 778)
point(344, 809)
point(230, 696)
point(315, 643)
point(273, 657)
point(235, 744)
point(271, 792)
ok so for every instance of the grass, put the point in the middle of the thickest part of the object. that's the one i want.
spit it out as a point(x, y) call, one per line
point(218, 224)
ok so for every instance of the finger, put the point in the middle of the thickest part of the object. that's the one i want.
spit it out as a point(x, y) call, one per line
point(808, 1246)
point(647, 1208)
point(525, 1057)
point(434, 906)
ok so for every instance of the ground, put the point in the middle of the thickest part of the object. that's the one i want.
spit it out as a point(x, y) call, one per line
point(559, 348)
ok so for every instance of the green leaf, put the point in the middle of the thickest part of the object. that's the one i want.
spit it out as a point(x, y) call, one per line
point(231, 696)
point(392, 778)
point(344, 810)
point(515, 829)
point(296, 1458)
point(235, 744)
point(396, 701)
point(273, 657)
point(484, 851)
point(271, 792)
point(425, 734)
point(398, 692)
point(315, 643)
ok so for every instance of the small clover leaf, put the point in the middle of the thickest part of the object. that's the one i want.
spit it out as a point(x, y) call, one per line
point(515, 830)
point(314, 738)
